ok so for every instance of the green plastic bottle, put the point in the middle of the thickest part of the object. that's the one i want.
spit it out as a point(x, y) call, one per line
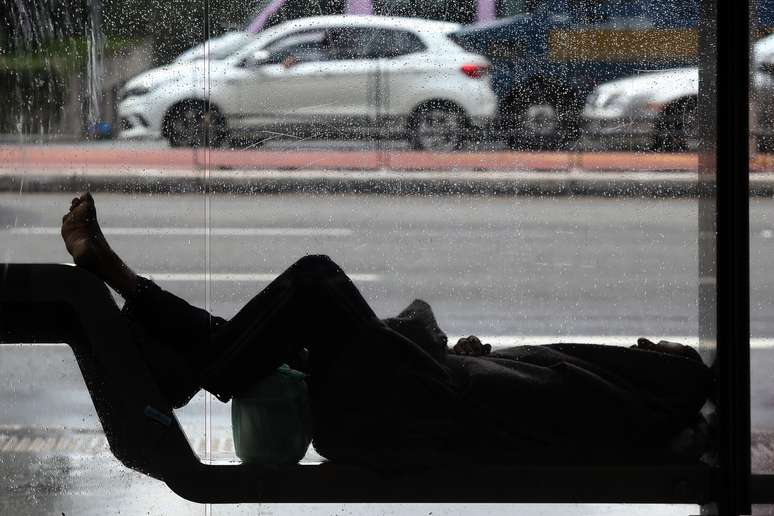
point(272, 420)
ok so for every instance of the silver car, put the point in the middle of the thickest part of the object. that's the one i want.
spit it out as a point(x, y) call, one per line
point(649, 110)
point(658, 110)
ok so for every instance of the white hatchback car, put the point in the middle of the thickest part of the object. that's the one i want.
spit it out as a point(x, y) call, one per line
point(346, 76)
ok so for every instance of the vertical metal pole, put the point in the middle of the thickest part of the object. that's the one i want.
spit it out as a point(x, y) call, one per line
point(207, 225)
point(359, 7)
point(724, 284)
point(486, 10)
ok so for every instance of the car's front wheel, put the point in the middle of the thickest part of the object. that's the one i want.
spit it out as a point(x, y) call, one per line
point(438, 127)
point(194, 124)
point(678, 127)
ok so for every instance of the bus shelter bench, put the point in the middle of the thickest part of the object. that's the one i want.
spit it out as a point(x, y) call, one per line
point(47, 303)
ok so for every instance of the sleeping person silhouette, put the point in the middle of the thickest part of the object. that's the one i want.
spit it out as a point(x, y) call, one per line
point(390, 391)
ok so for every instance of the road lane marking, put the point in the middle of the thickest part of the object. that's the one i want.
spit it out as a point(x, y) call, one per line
point(178, 231)
point(235, 277)
point(231, 276)
point(91, 443)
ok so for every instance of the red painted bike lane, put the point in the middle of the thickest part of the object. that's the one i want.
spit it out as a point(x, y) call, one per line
point(79, 157)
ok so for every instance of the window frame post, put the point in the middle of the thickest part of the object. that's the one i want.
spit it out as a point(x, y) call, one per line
point(724, 281)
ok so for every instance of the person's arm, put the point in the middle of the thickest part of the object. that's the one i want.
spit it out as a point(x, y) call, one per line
point(471, 346)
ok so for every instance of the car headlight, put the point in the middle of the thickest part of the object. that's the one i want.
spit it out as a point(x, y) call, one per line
point(600, 99)
point(616, 100)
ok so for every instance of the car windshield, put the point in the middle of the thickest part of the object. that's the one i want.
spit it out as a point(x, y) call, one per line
point(264, 39)
point(763, 50)
point(217, 48)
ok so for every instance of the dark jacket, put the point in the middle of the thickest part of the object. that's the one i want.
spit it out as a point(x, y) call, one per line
point(557, 402)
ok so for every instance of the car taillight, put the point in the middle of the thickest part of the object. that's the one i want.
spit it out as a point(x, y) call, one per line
point(474, 71)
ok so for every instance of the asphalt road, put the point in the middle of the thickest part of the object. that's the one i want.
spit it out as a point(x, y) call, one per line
point(494, 266)
point(514, 270)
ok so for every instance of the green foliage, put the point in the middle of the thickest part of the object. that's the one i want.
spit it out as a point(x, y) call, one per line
point(68, 54)
point(29, 25)
point(33, 26)
point(32, 100)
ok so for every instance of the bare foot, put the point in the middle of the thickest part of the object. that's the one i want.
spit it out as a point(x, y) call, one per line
point(89, 248)
point(82, 235)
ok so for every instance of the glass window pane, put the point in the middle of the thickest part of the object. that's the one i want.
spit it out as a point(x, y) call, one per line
point(531, 178)
point(760, 246)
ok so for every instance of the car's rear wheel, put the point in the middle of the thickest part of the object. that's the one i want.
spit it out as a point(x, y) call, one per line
point(438, 126)
point(678, 127)
point(194, 124)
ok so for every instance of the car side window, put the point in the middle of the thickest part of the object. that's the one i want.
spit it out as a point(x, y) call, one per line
point(346, 43)
point(407, 43)
point(385, 43)
point(294, 39)
point(306, 46)
point(366, 43)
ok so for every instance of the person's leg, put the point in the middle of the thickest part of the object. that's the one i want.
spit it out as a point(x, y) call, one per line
point(312, 304)
point(164, 327)
point(161, 314)
point(87, 245)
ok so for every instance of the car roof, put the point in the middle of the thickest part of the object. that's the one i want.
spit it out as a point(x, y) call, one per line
point(359, 20)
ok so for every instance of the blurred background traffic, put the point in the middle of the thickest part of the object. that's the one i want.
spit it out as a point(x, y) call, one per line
point(439, 75)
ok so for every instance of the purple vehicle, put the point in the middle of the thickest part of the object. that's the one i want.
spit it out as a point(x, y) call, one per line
point(272, 12)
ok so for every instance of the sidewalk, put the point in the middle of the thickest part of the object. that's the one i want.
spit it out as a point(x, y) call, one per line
point(75, 168)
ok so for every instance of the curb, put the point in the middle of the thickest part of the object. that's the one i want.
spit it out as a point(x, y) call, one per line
point(460, 182)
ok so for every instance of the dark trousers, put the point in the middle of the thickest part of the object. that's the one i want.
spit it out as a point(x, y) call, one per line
point(312, 305)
